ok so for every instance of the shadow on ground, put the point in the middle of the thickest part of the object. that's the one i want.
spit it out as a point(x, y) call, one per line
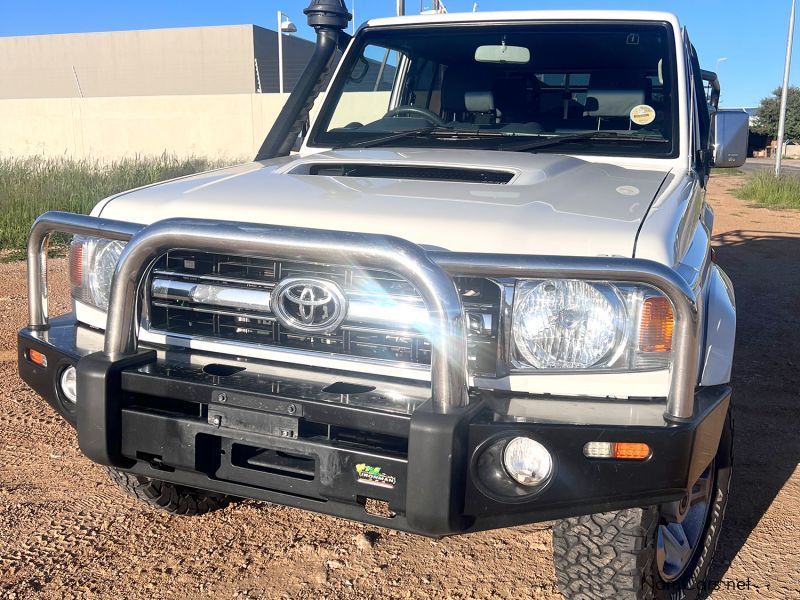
point(765, 269)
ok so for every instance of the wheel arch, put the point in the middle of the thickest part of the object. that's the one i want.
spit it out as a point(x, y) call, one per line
point(720, 329)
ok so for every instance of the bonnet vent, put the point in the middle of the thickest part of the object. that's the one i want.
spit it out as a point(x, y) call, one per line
point(422, 172)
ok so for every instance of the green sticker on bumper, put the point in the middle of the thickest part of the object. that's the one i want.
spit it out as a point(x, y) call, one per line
point(374, 476)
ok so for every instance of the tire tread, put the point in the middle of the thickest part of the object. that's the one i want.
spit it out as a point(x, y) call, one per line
point(171, 498)
point(606, 555)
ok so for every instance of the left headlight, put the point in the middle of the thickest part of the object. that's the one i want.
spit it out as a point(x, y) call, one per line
point(568, 324)
point(92, 262)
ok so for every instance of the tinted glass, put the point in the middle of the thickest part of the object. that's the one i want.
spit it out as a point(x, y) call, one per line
point(424, 87)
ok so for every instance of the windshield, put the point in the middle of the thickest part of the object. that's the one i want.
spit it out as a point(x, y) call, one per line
point(592, 88)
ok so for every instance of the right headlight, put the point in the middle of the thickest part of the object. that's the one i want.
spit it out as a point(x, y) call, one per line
point(569, 324)
point(92, 262)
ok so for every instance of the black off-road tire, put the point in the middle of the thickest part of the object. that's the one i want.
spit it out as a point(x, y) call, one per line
point(613, 554)
point(169, 497)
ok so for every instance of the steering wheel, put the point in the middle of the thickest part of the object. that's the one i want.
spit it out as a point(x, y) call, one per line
point(426, 114)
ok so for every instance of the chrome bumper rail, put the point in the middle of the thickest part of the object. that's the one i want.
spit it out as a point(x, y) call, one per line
point(430, 272)
point(683, 371)
point(145, 245)
point(62, 222)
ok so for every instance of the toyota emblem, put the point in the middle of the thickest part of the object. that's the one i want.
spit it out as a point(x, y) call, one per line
point(309, 305)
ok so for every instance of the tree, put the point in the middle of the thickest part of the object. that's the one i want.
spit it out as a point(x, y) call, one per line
point(768, 114)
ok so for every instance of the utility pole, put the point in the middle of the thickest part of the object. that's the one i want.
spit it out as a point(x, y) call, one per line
point(288, 27)
point(401, 8)
point(784, 94)
point(716, 70)
point(280, 52)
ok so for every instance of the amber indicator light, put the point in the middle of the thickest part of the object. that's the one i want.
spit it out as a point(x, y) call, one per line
point(656, 325)
point(37, 358)
point(76, 264)
point(617, 450)
point(631, 450)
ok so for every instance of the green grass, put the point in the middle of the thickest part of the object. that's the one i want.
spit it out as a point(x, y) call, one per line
point(767, 191)
point(727, 172)
point(31, 186)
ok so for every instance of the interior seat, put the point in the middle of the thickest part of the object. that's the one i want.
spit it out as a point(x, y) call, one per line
point(467, 97)
point(612, 96)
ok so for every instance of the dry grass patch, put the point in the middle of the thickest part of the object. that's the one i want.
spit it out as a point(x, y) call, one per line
point(31, 186)
point(767, 191)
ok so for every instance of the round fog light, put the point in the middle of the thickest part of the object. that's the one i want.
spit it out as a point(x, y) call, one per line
point(68, 382)
point(527, 461)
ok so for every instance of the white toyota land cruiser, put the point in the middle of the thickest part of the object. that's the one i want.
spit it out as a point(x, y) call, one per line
point(482, 294)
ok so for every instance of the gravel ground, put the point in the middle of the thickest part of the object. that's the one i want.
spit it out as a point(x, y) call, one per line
point(66, 531)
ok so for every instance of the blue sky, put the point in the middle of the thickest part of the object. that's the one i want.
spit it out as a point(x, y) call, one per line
point(751, 35)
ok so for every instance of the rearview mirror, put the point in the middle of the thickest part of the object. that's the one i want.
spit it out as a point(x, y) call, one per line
point(503, 54)
point(731, 133)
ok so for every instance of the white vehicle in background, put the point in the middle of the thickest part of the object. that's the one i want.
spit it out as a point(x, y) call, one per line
point(481, 294)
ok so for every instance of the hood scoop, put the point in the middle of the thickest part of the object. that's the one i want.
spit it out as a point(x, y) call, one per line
point(400, 171)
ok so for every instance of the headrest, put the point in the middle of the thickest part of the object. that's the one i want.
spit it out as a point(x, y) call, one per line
point(479, 102)
point(467, 91)
point(613, 103)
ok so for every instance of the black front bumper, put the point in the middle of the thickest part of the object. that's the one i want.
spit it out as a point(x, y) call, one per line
point(287, 440)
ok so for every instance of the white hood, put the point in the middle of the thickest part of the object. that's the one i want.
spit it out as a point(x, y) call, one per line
point(554, 204)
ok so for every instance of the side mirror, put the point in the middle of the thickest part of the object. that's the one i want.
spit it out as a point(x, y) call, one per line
point(731, 133)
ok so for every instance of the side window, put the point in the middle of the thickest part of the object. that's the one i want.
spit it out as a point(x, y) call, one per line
point(423, 81)
point(366, 93)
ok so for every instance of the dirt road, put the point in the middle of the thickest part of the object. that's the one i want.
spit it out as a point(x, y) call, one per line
point(66, 531)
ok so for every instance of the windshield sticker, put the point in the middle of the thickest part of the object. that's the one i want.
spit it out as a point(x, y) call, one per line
point(643, 114)
point(374, 476)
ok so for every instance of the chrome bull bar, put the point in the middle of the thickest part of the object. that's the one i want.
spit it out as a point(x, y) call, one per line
point(430, 272)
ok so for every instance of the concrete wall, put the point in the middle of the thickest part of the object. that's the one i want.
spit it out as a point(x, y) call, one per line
point(230, 126)
point(186, 91)
point(191, 60)
point(225, 126)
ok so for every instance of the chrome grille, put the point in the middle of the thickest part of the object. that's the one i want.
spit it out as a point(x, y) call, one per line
point(226, 297)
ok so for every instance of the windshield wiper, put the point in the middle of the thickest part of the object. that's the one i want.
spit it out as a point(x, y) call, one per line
point(433, 130)
point(576, 137)
point(385, 139)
